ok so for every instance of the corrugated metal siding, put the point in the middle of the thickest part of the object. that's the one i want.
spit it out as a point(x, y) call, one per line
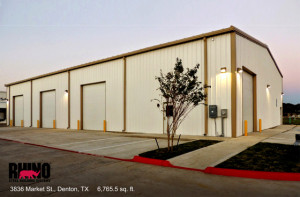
point(110, 72)
point(219, 55)
point(58, 82)
point(142, 114)
point(259, 61)
point(21, 89)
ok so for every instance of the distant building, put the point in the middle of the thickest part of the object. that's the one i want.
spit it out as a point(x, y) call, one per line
point(3, 106)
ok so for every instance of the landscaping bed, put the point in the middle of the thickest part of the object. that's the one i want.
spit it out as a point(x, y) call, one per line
point(266, 157)
point(293, 121)
point(164, 154)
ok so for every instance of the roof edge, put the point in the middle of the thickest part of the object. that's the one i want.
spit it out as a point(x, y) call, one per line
point(247, 36)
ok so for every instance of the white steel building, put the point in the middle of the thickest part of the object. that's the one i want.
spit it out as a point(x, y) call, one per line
point(119, 89)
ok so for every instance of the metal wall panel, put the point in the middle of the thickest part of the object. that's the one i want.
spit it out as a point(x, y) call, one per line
point(48, 109)
point(218, 51)
point(142, 114)
point(59, 83)
point(19, 110)
point(258, 60)
point(21, 89)
point(112, 74)
point(93, 106)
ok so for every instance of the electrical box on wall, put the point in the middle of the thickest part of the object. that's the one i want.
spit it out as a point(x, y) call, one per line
point(169, 110)
point(224, 113)
point(213, 111)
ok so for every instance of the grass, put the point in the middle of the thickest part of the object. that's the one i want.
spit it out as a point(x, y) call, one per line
point(294, 121)
point(164, 154)
point(266, 157)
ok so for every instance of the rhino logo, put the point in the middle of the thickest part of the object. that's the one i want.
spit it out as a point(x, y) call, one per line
point(29, 174)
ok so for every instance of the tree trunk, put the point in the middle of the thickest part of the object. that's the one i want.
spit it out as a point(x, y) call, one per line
point(172, 142)
point(168, 133)
point(173, 134)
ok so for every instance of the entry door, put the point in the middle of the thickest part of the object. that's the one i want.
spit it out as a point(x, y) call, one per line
point(19, 110)
point(48, 109)
point(248, 101)
point(93, 106)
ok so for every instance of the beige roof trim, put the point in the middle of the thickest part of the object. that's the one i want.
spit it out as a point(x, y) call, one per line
point(160, 46)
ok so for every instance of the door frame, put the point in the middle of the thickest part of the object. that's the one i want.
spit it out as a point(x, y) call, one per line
point(14, 109)
point(81, 100)
point(41, 105)
point(254, 94)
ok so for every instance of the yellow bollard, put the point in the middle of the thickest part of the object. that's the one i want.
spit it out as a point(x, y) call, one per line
point(260, 125)
point(246, 128)
point(78, 124)
point(22, 123)
point(37, 124)
point(104, 125)
point(11, 123)
point(54, 126)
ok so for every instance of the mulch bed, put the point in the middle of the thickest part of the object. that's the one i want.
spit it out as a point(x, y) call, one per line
point(164, 154)
point(266, 157)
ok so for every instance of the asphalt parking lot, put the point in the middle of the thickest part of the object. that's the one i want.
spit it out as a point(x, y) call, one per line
point(108, 144)
point(75, 170)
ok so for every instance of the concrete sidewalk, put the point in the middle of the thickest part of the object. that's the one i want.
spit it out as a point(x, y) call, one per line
point(217, 153)
point(285, 137)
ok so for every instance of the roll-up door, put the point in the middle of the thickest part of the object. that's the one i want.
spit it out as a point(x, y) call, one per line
point(248, 101)
point(48, 109)
point(18, 110)
point(93, 106)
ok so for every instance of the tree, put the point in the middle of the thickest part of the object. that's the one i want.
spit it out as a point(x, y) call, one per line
point(181, 92)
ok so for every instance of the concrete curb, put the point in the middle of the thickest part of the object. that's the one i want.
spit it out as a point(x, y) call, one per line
point(209, 170)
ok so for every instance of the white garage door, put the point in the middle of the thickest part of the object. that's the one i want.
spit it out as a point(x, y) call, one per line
point(19, 110)
point(93, 106)
point(48, 109)
point(248, 101)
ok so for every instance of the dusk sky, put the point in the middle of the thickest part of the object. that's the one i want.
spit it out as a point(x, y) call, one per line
point(42, 36)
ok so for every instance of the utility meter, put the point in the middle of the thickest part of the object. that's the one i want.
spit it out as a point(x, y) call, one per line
point(224, 113)
point(213, 111)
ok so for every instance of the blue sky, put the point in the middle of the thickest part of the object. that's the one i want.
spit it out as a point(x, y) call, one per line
point(37, 37)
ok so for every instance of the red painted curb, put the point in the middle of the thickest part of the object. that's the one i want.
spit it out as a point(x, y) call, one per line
point(159, 162)
point(283, 176)
point(156, 162)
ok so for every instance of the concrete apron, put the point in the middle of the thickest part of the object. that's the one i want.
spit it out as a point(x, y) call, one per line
point(287, 137)
point(215, 154)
